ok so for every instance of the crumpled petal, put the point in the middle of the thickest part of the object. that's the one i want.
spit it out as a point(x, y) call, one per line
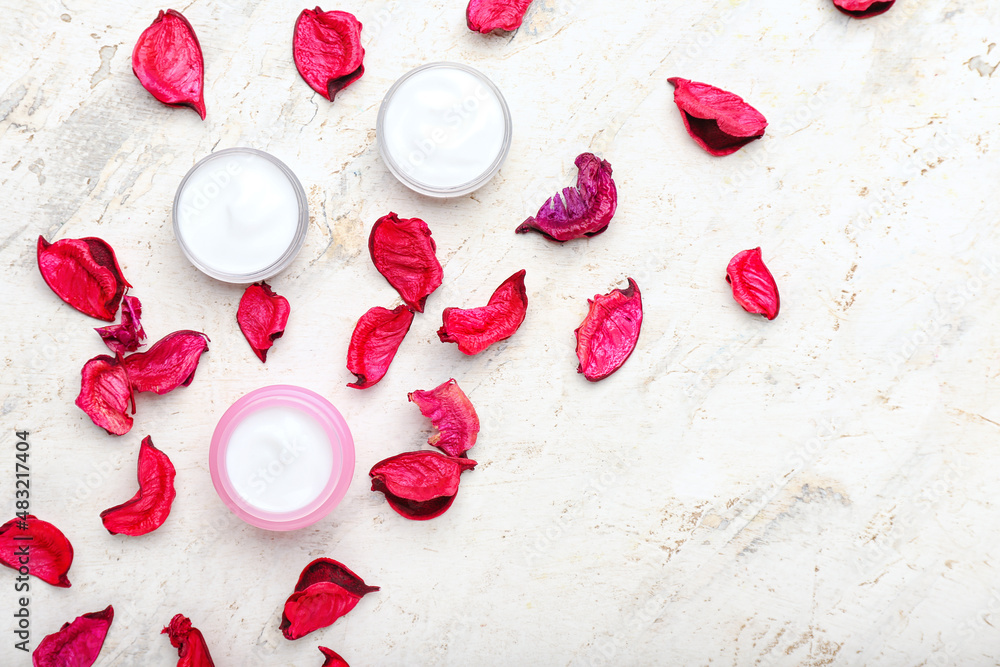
point(325, 591)
point(404, 252)
point(168, 364)
point(76, 644)
point(150, 506)
point(262, 317)
point(753, 285)
point(84, 273)
point(126, 336)
point(333, 658)
point(376, 338)
point(452, 414)
point(475, 329)
point(419, 485)
point(485, 16)
point(168, 62)
point(863, 9)
point(105, 394)
point(189, 642)
point(609, 333)
point(721, 122)
point(585, 210)
point(49, 553)
point(327, 50)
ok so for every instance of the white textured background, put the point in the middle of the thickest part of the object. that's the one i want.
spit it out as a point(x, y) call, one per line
point(816, 490)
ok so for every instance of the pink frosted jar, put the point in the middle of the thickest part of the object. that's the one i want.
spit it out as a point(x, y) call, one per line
point(282, 457)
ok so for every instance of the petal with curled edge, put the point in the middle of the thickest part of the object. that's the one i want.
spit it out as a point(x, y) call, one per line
point(50, 554)
point(419, 485)
point(585, 210)
point(84, 273)
point(753, 285)
point(610, 332)
point(76, 644)
point(719, 121)
point(150, 506)
point(327, 50)
point(475, 329)
point(168, 62)
point(326, 590)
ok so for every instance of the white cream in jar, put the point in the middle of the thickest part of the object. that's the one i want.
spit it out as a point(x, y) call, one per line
point(240, 215)
point(444, 129)
point(279, 459)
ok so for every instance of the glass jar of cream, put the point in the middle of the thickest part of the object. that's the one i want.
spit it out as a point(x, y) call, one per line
point(281, 457)
point(240, 215)
point(444, 129)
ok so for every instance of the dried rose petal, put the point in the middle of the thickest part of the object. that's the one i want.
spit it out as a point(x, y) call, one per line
point(327, 50)
point(475, 329)
point(333, 658)
point(376, 338)
point(419, 485)
point(189, 642)
point(32, 546)
point(585, 210)
point(105, 394)
point(167, 61)
point(863, 9)
point(127, 336)
point(168, 364)
point(753, 285)
point(452, 414)
point(262, 316)
point(325, 591)
point(485, 16)
point(403, 252)
point(609, 332)
point(150, 506)
point(84, 273)
point(77, 644)
point(721, 122)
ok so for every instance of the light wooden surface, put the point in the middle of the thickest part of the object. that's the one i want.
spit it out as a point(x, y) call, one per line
point(816, 490)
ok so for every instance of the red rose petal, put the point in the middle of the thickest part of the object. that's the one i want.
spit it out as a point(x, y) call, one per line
point(753, 285)
point(189, 642)
point(76, 644)
point(485, 16)
point(609, 332)
point(863, 9)
point(403, 252)
point(49, 553)
point(84, 273)
point(327, 50)
point(167, 61)
point(262, 317)
point(475, 329)
point(168, 364)
point(376, 338)
point(105, 394)
point(721, 122)
point(452, 414)
point(585, 210)
point(127, 336)
point(150, 506)
point(325, 591)
point(333, 658)
point(419, 485)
